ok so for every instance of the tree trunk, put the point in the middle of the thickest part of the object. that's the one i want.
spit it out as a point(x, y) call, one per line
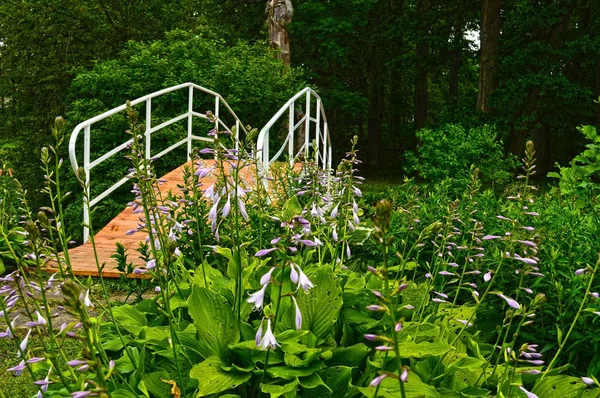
point(455, 65)
point(373, 122)
point(279, 15)
point(488, 58)
point(598, 93)
point(422, 52)
point(396, 99)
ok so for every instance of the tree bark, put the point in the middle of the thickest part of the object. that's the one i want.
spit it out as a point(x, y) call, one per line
point(422, 52)
point(598, 93)
point(279, 15)
point(456, 58)
point(489, 52)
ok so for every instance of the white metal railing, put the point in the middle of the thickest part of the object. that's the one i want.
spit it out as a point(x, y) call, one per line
point(86, 126)
point(319, 135)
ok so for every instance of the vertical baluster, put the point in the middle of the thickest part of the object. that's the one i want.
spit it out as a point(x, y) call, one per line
point(148, 127)
point(190, 122)
point(307, 127)
point(237, 134)
point(86, 167)
point(291, 123)
point(318, 131)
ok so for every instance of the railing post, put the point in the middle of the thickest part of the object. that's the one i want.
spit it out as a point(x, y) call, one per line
point(86, 167)
point(318, 131)
point(291, 124)
point(237, 134)
point(307, 127)
point(265, 154)
point(148, 126)
point(190, 122)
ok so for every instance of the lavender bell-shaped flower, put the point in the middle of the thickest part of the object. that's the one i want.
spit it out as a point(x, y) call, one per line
point(303, 281)
point(268, 341)
point(266, 277)
point(298, 319)
point(258, 298)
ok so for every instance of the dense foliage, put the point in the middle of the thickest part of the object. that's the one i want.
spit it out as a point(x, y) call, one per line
point(452, 151)
point(293, 291)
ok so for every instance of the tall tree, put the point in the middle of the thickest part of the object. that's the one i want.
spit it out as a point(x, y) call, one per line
point(422, 53)
point(279, 16)
point(489, 57)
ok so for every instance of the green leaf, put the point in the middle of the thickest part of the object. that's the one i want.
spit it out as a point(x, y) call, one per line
point(214, 321)
point(123, 394)
point(349, 356)
point(288, 373)
point(360, 235)
point(414, 387)
point(410, 349)
point(212, 379)
point(337, 379)
point(559, 387)
point(291, 208)
point(276, 390)
point(321, 306)
point(130, 318)
point(312, 381)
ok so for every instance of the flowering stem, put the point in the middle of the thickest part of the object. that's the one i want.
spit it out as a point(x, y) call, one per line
point(564, 340)
point(262, 379)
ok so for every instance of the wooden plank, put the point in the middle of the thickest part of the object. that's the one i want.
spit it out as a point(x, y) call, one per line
point(82, 258)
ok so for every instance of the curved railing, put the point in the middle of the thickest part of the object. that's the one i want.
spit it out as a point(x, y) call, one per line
point(86, 126)
point(303, 121)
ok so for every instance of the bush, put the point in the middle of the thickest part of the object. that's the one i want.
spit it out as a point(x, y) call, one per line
point(451, 150)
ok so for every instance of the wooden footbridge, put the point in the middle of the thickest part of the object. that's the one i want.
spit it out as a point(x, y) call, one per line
point(309, 131)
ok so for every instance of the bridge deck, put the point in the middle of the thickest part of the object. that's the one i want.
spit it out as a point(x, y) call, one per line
point(82, 257)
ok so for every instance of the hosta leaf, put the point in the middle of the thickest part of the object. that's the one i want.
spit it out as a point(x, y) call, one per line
point(123, 394)
point(559, 386)
point(276, 390)
point(337, 379)
point(313, 381)
point(410, 349)
point(320, 307)
point(130, 318)
point(291, 208)
point(214, 321)
point(288, 373)
point(390, 388)
point(349, 356)
point(212, 379)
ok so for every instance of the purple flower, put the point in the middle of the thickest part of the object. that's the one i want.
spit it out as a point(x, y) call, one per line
point(446, 273)
point(487, 276)
point(264, 252)
point(581, 271)
point(23, 344)
point(491, 237)
point(259, 332)
point(258, 297)
point(242, 209)
point(268, 341)
point(404, 375)
point(266, 277)
point(529, 394)
point(151, 264)
point(303, 280)
point(334, 212)
point(86, 300)
point(298, 314)
point(357, 192)
point(17, 369)
point(81, 394)
point(294, 277)
point(370, 337)
point(588, 380)
point(275, 241)
point(376, 381)
point(375, 307)
point(384, 348)
point(227, 207)
point(398, 327)
point(511, 303)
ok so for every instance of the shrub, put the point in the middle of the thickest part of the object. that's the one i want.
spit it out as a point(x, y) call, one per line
point(450, 151)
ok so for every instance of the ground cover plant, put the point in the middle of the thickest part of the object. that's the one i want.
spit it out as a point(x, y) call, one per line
point(313, 287)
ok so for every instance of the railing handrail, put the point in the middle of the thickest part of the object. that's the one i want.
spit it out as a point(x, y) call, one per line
point(320, 117)
point(121, 108)
point(189, 114)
